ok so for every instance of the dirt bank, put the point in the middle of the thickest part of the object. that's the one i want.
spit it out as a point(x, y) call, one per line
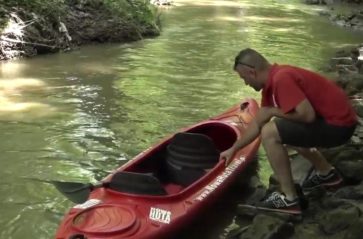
point(26, 32)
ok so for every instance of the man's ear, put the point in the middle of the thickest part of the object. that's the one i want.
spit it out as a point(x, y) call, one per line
point(251, 71)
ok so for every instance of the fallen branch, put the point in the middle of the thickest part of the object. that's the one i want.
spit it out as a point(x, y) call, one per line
point(2, 38)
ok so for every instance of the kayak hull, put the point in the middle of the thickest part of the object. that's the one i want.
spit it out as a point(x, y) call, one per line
point(115, 214)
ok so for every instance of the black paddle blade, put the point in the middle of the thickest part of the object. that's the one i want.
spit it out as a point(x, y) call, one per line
point(136, 183)
point(76, 192)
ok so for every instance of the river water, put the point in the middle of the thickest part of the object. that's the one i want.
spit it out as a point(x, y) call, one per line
point(76, 116)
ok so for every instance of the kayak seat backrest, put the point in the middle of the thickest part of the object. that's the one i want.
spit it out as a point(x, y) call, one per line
point(136, 183)
point(223, 136)
point(192, 150)
point(188, 156)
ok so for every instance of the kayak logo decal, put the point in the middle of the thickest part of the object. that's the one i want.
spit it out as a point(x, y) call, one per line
point(221, 178)
point(87, 204)
point(160, 215)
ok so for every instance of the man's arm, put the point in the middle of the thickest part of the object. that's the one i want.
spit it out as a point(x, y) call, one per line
point(303, 112)
point(251, 133)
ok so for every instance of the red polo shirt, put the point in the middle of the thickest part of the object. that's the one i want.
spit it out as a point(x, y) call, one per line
point(287, 86)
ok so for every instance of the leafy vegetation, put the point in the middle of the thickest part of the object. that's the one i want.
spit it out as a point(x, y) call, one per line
point(43, 7)
point(136, 11)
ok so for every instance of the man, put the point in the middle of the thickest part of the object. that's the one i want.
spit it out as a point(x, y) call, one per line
point(308, 111)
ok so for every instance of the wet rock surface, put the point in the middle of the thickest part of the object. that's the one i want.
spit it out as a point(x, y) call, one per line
point(352, 19)
point(330, 214)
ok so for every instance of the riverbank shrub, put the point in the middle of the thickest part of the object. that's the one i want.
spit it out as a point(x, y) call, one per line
point(42, 7)
point(136, 12)
point(139, 11)
point(32, 27)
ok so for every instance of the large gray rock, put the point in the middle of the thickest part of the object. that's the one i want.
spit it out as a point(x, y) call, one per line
point(351, 170)
point(339, 218)
point(350, 192)
point(301, 168)
point(359, 110)
point(355, 84)
point(341, 61)
point(268, 227)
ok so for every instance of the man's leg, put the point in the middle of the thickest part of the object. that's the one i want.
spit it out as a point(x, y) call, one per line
point(319, 162)
point(325, 174)
point(278, 158)
point(316, 134)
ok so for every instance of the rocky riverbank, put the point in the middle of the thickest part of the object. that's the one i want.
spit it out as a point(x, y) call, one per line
point(347, 14)
point(27, 32)
point(330, 214)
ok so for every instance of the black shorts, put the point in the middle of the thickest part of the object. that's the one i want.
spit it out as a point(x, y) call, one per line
point(315, 134)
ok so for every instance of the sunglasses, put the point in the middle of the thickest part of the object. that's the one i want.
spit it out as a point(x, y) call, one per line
point(245, 64)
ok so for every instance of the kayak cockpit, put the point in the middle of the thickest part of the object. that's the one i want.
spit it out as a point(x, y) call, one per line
point(178, 162)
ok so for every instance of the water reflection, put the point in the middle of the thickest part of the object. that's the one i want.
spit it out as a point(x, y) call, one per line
point(13, 99)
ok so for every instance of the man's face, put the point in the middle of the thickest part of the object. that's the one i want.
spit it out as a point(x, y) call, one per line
point(249, 76)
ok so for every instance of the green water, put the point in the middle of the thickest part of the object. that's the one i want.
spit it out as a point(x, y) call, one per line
point(76, 116)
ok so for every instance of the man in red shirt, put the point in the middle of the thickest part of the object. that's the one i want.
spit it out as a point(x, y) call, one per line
point(308, 111)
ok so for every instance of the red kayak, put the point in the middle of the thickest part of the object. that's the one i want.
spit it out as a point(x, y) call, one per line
point(163, 188)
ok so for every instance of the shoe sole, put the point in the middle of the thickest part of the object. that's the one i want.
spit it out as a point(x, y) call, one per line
point(332, 185)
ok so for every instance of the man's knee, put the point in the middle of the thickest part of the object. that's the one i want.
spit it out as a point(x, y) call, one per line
point(269, 132)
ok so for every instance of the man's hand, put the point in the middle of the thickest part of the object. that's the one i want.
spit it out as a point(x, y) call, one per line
point(227, 155)
point(251, 133)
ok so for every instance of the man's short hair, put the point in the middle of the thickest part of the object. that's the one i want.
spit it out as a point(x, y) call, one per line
point(250, 58)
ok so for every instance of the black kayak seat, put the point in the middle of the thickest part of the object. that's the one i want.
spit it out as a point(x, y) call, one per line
point(183, 176)
point(192, 150)
point(188, 156)
point(136, 183)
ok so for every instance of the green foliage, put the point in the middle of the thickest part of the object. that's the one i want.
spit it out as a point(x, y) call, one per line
point(43, 7)
point(139, 11)
point(140, 15)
